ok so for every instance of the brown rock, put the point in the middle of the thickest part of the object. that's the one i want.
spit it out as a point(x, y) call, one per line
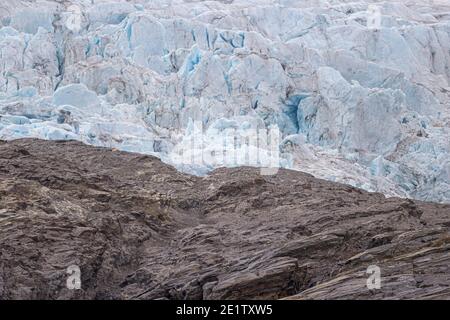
point(138, 229)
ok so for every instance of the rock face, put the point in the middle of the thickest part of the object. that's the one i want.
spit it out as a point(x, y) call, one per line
point(359, 89)
point(139, 229)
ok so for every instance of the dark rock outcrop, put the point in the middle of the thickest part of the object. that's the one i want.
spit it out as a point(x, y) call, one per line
point(138, 229)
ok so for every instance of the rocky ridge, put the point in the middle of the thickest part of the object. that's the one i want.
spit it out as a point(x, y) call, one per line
point(139, 229)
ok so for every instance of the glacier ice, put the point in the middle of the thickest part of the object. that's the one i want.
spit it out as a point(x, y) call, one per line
point(77, 95)
point(356, 103)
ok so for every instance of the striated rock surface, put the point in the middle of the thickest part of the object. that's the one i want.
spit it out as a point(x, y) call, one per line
point(360, 89)
point(139, 229)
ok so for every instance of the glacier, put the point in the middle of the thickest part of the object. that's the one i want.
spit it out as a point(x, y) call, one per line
point(356, 102)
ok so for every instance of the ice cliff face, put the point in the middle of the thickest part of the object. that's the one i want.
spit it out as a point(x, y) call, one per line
point(359, 89)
